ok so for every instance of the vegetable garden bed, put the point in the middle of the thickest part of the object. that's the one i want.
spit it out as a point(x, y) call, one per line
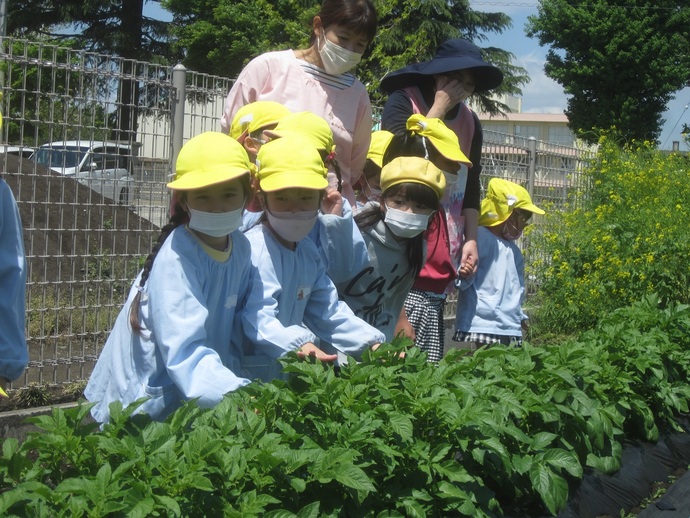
point(507, 432)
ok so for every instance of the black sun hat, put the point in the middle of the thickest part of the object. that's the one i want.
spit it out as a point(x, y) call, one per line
point(452, 55)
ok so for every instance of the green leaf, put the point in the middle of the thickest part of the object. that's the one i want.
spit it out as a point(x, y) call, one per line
point(567, 460)
point(402, 425)
point(552, 488)
point(541, 440)
point(354, 477)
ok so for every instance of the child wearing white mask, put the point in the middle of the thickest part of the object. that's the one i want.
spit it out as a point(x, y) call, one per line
point(294, 305)
point(393, 232)
point(490, 301)
point(178, 335)
point(319, 79)
point(422, 318)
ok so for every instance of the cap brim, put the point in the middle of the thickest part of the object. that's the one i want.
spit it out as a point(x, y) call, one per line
point(292, 180)
point(197, 180)
point(531, 208)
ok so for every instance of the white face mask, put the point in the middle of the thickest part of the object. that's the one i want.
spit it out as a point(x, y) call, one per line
point(406, 224)
point(215, 224)
point(337, 60)
point(292, 226)
point(511, 232)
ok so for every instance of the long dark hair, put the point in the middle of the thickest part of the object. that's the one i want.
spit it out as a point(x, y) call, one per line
point(177, 218)
point(357, 15)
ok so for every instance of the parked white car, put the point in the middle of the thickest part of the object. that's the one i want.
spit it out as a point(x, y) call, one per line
point(105, 167)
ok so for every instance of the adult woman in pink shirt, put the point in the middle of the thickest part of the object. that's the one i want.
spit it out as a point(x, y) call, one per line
point(317, 79)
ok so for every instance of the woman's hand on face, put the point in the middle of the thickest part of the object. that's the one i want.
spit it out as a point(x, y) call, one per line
point(449, 92)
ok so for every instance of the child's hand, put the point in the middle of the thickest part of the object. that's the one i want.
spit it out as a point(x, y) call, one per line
point(470, 258)
point(525, 325)
point(309, 349)
point(403, 326)
point(332, 202)
point(465, 271)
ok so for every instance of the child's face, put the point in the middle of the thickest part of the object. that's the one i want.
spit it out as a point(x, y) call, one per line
point(515, 224)
point(293, 200)
point(222, 197)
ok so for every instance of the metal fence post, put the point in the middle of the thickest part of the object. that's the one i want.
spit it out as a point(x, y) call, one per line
point(532, 169)
point(179, 94)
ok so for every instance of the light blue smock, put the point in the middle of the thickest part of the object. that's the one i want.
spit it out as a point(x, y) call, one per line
point(292, 302)
point(491, 301)
point(14, 356)
point(190, 345)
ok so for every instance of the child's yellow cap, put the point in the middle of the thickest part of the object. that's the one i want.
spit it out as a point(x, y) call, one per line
point(208, 159)
point(440, 135)
point(413, 169)
point(255, 116)
point(379, 142)
point(502, 197)
point(290, 162)
point(307, 125)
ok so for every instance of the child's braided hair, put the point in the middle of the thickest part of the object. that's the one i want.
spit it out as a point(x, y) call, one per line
point(177, 218)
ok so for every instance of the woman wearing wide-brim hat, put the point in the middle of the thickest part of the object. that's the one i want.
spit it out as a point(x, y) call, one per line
point(438, 88)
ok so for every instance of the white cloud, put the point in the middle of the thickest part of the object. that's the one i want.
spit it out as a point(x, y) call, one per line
point(542, 94)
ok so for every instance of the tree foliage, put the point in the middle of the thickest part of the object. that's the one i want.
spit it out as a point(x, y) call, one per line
point(115, 28)
point(111, 28)
point(221, 37)
point(620, 64)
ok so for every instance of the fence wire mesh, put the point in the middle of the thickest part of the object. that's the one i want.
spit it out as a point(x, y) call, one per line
point(89, 225)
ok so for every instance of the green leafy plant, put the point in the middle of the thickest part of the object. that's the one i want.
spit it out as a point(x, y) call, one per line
point(503, 431)
point(627, 238)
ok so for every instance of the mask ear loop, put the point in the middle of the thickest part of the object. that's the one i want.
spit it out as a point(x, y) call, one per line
point(426, 150)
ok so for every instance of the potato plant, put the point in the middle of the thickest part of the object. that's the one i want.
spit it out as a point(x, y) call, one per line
point(504, 431)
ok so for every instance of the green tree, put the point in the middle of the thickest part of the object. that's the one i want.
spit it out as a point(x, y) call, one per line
point(116, 28)
point(620, 64)
point(220, 37)
point(75, 90)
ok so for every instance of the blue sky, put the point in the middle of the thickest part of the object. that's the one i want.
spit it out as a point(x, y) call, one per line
point(541, 94)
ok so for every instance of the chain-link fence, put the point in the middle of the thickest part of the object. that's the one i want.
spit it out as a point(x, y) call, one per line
point(102, 133)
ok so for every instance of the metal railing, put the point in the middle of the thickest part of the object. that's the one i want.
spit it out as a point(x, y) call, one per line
point(84, 247)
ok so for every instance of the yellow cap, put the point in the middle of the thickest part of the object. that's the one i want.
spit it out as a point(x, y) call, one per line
point(440, 135)
point(413, 169)
point(256, 116)
point(502, 197)
point(208, 159)
point(379, 142)
point(307, 125)
point(290, 162)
